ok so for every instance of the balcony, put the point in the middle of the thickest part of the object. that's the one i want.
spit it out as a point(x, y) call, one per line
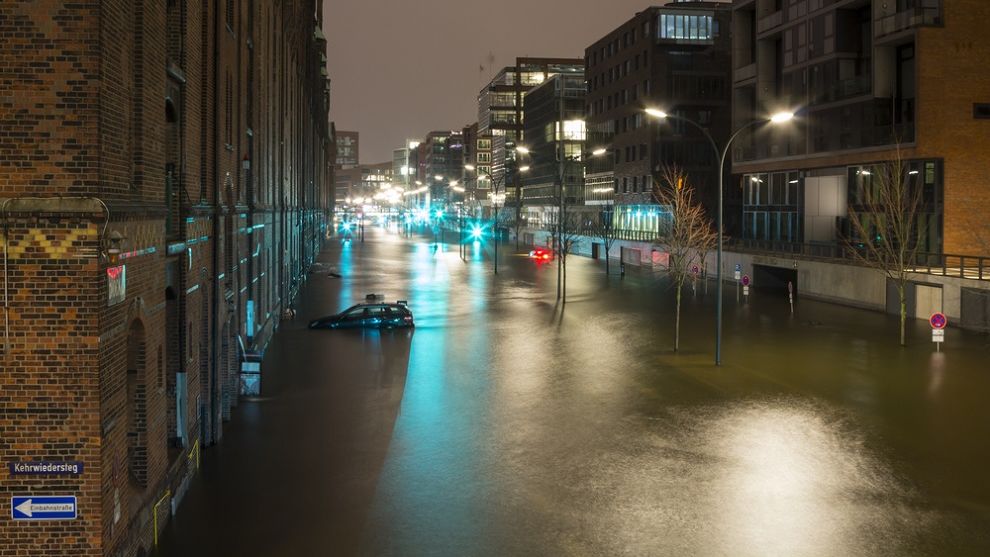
point(746, 72)
point(927, 15)
point(845, 89)
point(769, 22)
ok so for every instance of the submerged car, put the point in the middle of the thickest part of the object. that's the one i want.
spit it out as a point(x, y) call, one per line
point(374, 315)
point(541, 254)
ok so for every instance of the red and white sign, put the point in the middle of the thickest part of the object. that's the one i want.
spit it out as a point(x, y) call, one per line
point(938, 320)
point(116, 284)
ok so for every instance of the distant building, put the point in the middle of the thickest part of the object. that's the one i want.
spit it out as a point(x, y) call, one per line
point(675, 58)
point(442, 163)
point(348, 154)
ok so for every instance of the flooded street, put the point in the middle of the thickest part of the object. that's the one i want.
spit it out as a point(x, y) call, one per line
point(505, 424)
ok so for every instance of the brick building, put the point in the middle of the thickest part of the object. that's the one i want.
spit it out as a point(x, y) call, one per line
point(165, 179)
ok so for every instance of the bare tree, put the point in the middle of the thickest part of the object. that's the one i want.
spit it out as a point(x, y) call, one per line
point(565, 233)
point(687, 232)
point(884, 219)
point(604, 229)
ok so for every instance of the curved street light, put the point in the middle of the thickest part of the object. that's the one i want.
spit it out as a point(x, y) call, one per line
point(778, 118)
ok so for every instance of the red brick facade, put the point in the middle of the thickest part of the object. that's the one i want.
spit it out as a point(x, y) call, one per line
point(192, 137)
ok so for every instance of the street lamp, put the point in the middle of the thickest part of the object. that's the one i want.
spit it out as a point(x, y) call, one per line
point(778, 118)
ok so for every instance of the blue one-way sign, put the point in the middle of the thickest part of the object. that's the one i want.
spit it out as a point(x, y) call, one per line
point(43, 508)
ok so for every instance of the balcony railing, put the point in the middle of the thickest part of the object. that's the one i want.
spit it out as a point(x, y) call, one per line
point(940, 264)
point(847, 88)
point(767, 23)
point(930, 13)
point(744, 73)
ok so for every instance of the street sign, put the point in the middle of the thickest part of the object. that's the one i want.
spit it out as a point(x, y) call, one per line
point(745, 290)
point(938, 335)
point(46, 468)
point(738, 267)
point(43, 507)
point(938, 320)
point(745, 280)
point(790, 287)
point(738, 274)
point(695, 269)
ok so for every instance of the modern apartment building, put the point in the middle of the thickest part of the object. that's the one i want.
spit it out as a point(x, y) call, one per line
point(500, 104)
point(555, 132)
point(865, 77)
point(443, 163)
point(675, 58)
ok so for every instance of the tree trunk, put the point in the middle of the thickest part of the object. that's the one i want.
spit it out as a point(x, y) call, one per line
point(606, 262)
point(677, 321)
point(900, 293)
point(563, 268)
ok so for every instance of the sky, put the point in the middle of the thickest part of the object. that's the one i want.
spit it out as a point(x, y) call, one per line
point(401, 68)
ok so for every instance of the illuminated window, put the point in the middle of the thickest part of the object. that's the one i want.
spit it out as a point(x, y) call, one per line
point(573, 130)
point(686, 27)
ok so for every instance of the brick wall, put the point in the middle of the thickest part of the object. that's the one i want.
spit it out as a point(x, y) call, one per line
point(86, 379)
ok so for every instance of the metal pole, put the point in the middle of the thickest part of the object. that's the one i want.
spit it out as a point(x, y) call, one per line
point(560, 191)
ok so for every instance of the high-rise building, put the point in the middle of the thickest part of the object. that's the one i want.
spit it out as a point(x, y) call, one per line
point(500, 104)
point(443, 163)
point(675, 58)
point(348, 153)
point(555, 131)
point(865, 79)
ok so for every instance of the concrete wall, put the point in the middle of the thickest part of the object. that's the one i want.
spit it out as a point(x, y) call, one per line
point(844, 284)
point(825, 198)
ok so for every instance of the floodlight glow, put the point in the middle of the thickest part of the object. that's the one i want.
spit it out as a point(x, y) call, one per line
point(523, 169)
point(781, 117)
point(599, 152)
point(521, 149)
point(656, 113)
point(469, 167)
point(476, 232)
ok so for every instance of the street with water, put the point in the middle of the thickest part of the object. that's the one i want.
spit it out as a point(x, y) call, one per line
point(506, 423)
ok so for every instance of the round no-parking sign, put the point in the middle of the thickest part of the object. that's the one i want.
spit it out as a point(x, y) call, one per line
point(938, 320)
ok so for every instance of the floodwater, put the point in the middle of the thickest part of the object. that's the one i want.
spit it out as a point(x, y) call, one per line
point(507, 425)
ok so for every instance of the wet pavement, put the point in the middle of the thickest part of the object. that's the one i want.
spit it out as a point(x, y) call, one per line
point(505, 425)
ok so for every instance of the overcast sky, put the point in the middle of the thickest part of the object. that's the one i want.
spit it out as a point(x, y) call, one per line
point(400, 68)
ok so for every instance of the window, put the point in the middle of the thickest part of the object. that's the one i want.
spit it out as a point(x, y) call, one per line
point(635, 184)
point(686, 27)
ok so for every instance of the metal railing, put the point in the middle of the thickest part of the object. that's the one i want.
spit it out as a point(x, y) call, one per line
point(930, 13)
point(971, 267)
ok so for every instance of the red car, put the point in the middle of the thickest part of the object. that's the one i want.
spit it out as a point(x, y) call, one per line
point(541, 254)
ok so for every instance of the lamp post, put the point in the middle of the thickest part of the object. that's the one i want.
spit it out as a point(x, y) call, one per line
point(495, 196)
point(778, 118)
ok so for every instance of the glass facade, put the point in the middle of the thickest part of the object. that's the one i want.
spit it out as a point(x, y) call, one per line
point(772, 207)
point(686, 27)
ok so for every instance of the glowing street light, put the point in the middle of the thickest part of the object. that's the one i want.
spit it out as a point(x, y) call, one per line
point(522, 150)
point(599, 152)
point(775, 119)
point(523, 169)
